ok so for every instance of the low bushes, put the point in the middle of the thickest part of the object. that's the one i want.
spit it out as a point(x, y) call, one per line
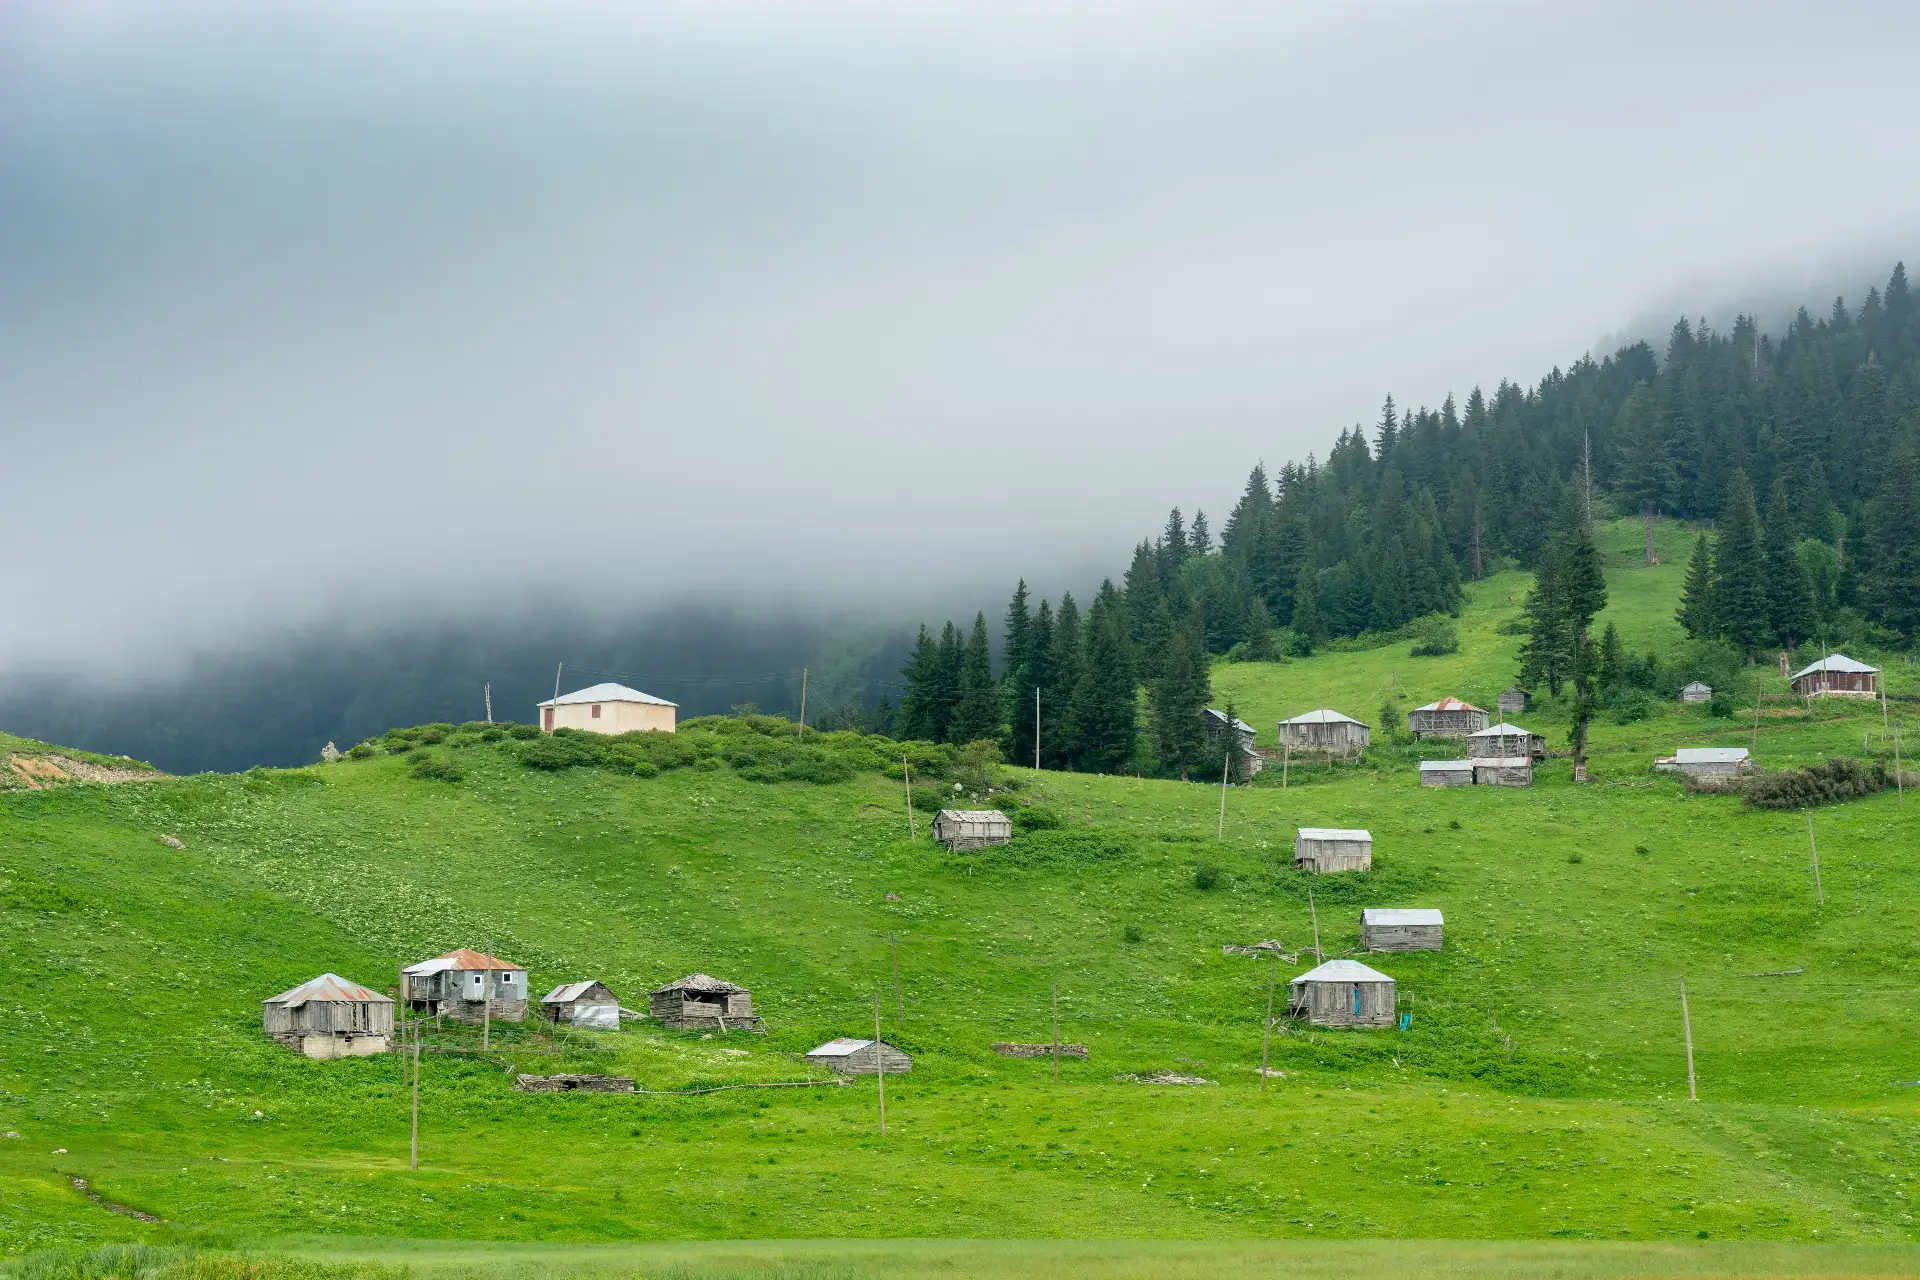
point(1835, 781)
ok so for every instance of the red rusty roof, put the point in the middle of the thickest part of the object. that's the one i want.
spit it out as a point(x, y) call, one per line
point(1449, 704)
point(466, 958)
point(328, 987)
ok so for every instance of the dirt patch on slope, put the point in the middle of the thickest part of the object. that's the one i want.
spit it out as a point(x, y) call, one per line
point(41, 772)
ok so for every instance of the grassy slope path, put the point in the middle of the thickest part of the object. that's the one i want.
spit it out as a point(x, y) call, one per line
point(129, 1032)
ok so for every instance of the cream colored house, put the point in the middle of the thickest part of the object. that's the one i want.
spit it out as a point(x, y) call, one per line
point(607, 708)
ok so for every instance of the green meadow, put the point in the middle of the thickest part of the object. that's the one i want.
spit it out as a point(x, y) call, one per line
point(1539, 1095)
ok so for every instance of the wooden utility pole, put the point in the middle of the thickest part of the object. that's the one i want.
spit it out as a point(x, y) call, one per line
point(1759, 690)
point(803, 702)
point(413, 1147)
point(1221, 834)
point(1686, 1024)
point(486, 1001)
point(1056, 1033)
point(553, 708)
point(913, 831)
point(898, 995)
point(1036, 728)
point(1317, 956)
point(1266, 1032)
point(880, 1066)
point(1286, 763)
point(1818, 891)
point(1899, 783)
point(486, 691)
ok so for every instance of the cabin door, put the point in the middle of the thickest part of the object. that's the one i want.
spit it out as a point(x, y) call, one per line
point(548, 725)
point(1356, 999)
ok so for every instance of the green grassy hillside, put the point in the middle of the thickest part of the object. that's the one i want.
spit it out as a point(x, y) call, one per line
point(1540, 1091)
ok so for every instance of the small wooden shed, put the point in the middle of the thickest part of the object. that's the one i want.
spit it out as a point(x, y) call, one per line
point(1401, 928)
point(583, 1004)
point(1503, 739)
point(1512, 701)
point(1322, 850)
point(1503, 771)
point(1447, 718)
point(329, 1017)
point(861, 1057)
point(1695, 691)
point(1214, 723)
point(1707, 762)
point(1342, 993)
point(698, 1002)
point(467, 986)
point(1837, 676)
point(963, 829)
point(1446, 773)
point(1325, 730)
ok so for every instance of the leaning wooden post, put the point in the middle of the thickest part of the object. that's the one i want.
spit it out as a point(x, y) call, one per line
point(906, 770)
point(1819, 893)
point(1286, 763)
point(1266, 1033)
point(1686, 1024)
point(1317, 956)
point(413, 1149)
point(1221, 834)
point(486, 1001)
point(1056, 1033)
point(880, 1066)
point(1899, 783)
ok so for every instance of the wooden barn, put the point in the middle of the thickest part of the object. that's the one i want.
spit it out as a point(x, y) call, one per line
point(1503, 739)
point(329, 1017)
point(861, 1057)
point(1502, 771)
point(1322, 850)
point(1447, 718)
point(1707, 762)
point(1214, 723)
point(1695, 691)
point(701, 1003)
point(1837, 676)
point(1512, 701)
point(1446, 773)
point(963, 829)
point(583, 1004)
point(1325, 730)
point(1342, 993)
point(466, 986)
point(1401, 929)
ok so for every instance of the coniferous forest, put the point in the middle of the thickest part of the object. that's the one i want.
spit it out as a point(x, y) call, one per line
point(1801, 452)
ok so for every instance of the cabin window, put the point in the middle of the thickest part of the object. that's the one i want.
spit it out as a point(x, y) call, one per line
point(596, 711)
point(507, 978)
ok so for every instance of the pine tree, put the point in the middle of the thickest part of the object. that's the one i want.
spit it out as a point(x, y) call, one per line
point(946, 686)
point(1309, 633)
point(1199, 539)
point(1696, 615)
point(1740, 572)
point(1789, 587)
point(976, 713)
point(1248, 518)
point(1613, 658)
point(1016, 676)
point(1647, 474)
point(1063, 677)
point(1177, 700)
point(917, 718)
point(1892, 586)
point(1104, 720)
point(1258, 636)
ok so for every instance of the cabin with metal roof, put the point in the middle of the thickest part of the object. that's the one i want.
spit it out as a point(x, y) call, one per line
point(1446, 773)
point(467, 986)
point(1837, 676)
point(1447, 718)
point(1512, 701)
point(1706, 762)
point(330, 1017)
point(699, 1002)
point(964, 829)
point(1325, 730)
point(1401, 928)
point(1502, 771)
point(582, 1004)
point(1696, 691)
point(861, 1057)
point(1214, 723)
point(1342, 993)
point(608, 708)
point(1500, 740)
point(1323, 850)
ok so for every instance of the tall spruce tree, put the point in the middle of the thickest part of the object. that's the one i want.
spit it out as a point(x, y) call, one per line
point(1057, 742)
point(1696, 614)
point(1647, 473)
point(1309, 633)
point(1741, 606)
point(1104, 718)
point(1789, 586)
point(1891, 586)
point(918, 717)
point(976, 713)
point(1177, 699)
point(946, 688)
point(1017, 676)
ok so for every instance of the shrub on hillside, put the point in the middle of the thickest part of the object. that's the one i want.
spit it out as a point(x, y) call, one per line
point(1629, 705)
point(523, 732)
point(759, 759)
point(1837, 780)
point(433, 769)
point(362, 751)
point(1720, 705)
point(1435, 636)
point(563, 750)
point(1033, 817)
point(1206, 877)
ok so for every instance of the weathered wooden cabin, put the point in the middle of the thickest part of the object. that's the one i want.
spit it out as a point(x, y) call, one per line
point(1707, 762)
point(701, 1003)
point(1214, 723)
point(1512, 701)
point(1342, 993)
point(963, 829)
point(466, 986)
point(1837, 676)
point(329, 1017)
point(861, 1057)
point(1446, 773)
point(1401, 928)
point(1323, 850)
point(1447, 718)
point(1499, 740)
point(1502, 771)
point(1325, 730)
point(582, 1004)
point(1696, 691)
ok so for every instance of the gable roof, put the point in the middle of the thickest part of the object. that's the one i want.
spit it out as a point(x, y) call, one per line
point(973, 815)
point(606, 693)
point(1444, 766)
point(1325, 715)
point(1335, 833)
point(464, 958)
point(699, 982)
point(328, 987)
point(1503, 730)
point(842, 1048)
point(1836, 662)
point(1451, 703)
point(1343, 971)
point(1221, 716)
point(1401, 915)
point(567, 993)
point(1697, 684)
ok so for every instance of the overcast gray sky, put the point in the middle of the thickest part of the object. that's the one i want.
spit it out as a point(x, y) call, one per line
point(354, 310)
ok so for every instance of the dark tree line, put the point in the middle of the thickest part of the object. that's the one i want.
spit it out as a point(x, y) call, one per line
point(1825, 421)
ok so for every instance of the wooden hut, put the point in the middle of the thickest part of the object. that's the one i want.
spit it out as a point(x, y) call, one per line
point(963, 829)
point(466, 986)
point(1512, 701)
point(329, 1017)
point(1695, 691)
point(1214, 723)
point(1502, 771)
point(1447, 718)
point(861, 1057)
point(701, 1003)
point(583, 1004)
point(1401, 929)
point(1342, 993)
point(1322, 850)
point(1446, 773)
point(1500, 740)
point(1837, 676)
point(1707, 762)
point(1325, 730)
